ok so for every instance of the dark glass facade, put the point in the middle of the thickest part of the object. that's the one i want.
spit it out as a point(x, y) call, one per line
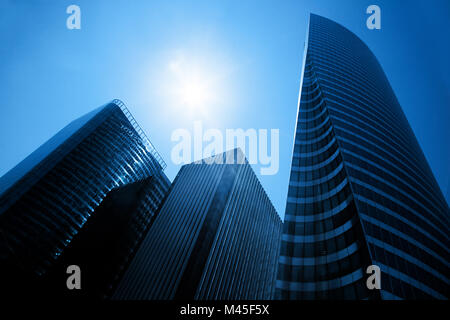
point(216, 237)
point(48, 197)
point(109, 239)
point(360, 191)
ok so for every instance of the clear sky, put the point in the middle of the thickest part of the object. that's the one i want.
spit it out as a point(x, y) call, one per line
point(247, 54)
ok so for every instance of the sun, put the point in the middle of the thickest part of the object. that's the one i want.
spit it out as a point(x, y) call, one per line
point(194, 94)
point(193, 87)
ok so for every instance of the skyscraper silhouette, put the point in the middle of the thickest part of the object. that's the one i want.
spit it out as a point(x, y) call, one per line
point(360, 192)
point(108, 241)
point(48, 197)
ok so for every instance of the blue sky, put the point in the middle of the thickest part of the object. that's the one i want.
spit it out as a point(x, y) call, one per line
point(248, 52)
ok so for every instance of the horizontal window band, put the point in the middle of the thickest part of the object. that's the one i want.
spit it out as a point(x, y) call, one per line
point(317, 181)
point(320, 260)
point(320, 215)
point(321, 285)
point(321, 236)
point(320, 197)
point(315, 140)
point(316, 166)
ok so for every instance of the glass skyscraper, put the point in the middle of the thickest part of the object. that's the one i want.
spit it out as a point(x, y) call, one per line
point(47, 198)
point(216, 237)
point(361, 191)
point(109, 239)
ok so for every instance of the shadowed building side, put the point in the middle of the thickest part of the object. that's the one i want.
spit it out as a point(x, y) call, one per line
point(108, 241)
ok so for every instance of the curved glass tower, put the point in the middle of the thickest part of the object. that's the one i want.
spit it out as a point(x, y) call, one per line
point(361, 192)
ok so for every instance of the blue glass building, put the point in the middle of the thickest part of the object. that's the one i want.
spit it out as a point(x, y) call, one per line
point(47, 198)
point(361, 191)
point(217, 236)
point(109, 239)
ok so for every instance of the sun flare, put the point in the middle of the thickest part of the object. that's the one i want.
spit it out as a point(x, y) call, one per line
point(194, 86)
point(194, 94)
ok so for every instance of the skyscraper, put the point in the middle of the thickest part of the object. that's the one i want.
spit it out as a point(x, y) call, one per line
point(109, 239)
point(216, 237)
point(360, 192)
point(47, 198)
